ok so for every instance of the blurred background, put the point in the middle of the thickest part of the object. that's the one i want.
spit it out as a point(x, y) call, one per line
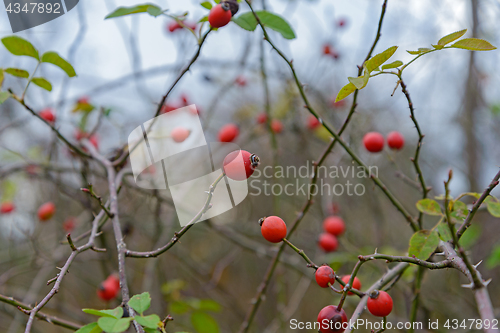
point(125, 65)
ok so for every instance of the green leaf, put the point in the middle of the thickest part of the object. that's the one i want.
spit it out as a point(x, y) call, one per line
point(246, 21)
point(380, 58)
point(150, 321)
point(345, 91)
point(494, 258)
point(4, 95)
point(204, 323)
point(423, 243)
point(42, 83)
point(437, 47)
point(203, 19)
point(424, 49)
point(451, 37)
point(207, 305)
point(206, 4)
point(273, 21)
point(113, 325)
point(459, 210)
point(56, 59)
point(90, 328)
point(150, 330)
point(114, 313)
point(151, 9)
point(429, 207)
point(473, 44)
point(140, 303)
point(413, 52)
point(444, 232)
point(493, 206)
point(20, 47)
point(1, 77)
point(471, 236)
point(179, 307)
point(17, 72)
point(394, 64)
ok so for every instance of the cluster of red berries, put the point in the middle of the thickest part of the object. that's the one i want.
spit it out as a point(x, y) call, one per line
point(276, 125)
point(109, 288)
point(80, 135)
point(334, 227)
point(374, 141)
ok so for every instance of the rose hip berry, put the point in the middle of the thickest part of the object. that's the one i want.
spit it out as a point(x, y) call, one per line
point(6, 207)
point(334, 225)
point(46, 211)
point(356, 284)
point(395, 140)
point(328, 242)
point(312, 122)
point(241, 81)
point(179, 134)
point(374, 142)
point(332, 320)
point(69, 224)
point(219, 15)
point(233, 168)
point(48, 115)
point(276, 126)
point(325, 275)
point(261, 118)
point(379, 303)
point(228, 133)
point(272, 228)
point(109, 288)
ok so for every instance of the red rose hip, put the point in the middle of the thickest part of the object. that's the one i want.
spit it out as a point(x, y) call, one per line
point(228, 133)
point(48, 115)
point(109, 288)
point(261, 118)
point(334, 225)
point(395, 140)
point(332, 320)
point(379, 303)
point(46, 211)
point(328, 242)
point(219, 15)
point(273, 228)
point(6, 207)
point(374, 142)
point(240, 164)
point(325, 275)
point(356, 284)
point(276, 126)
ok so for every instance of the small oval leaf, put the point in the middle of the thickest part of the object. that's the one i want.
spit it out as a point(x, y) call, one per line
point(246, 21)
point(55, 59)
point(114, 313)
point(429, 207)
point(140, 303)
point(277, 23)
point(451, 37)
point(90, 328)
point(4, 95)
point(394, 64)
point(20, 47)
point(17, 72)
point(493, 207)
point(206, 4)
point(149, 8)
point(42, 83)
point(151, 321)
point(345, 91)
point(380, 58)
point(474, 44)
point(113, 325)
point(423, 243)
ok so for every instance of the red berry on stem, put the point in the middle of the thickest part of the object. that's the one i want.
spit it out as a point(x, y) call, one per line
point(328, 242)
point(109, 288)
point(48, 115)
point(395, 140)
point(325, 275)
point(379, 303)
point(179, 134)
point(219, 15)
point(356, 284)
point(240, 164)
point(272, 228)
point(228, 133)
point(334, 225)
point(374, 142)
point(241, 81)
point(262, 118)
point(312, 122)
point(327, 49)
point(7, 207)
point(332, 320)
point(276, 126)
point(46, 211)
point(173, 26)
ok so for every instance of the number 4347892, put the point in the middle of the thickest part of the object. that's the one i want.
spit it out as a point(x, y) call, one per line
point(471, 324)
point(34, 7)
